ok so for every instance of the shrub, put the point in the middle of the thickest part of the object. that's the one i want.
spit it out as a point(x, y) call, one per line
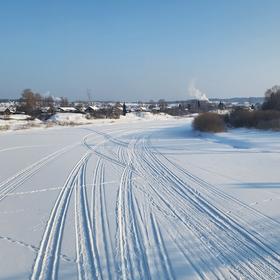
point(209, 122)
point(242, 118)
point(4, 127)
point(49, 124)
point(268, 119)
point(271, 124)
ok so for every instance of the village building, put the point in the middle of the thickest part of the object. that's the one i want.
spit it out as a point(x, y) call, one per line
point(67, 110)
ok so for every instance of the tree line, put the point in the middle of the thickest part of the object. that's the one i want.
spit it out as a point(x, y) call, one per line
point(267, 117)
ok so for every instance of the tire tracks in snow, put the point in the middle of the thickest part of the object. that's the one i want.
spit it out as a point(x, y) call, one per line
point(100, 223)
point(199, 186)
point(133, 262)
point(87, 255)
point(18, 179)
point(161, 249)
point(217, 195)
point(164, 208)
point(46, 262)
point(233, 243)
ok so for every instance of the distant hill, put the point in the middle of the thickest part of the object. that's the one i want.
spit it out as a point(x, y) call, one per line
point(252, 100)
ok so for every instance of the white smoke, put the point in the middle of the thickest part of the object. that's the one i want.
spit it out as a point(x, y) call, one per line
point(195, 93)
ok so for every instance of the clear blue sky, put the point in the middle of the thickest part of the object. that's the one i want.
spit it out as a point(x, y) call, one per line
point(130, 50)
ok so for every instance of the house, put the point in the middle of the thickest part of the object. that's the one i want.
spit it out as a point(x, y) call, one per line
point(7, 111)
point(156, 109)
point(195, 105)
point(46, 109)
point(67, 110)
point(91, 109)
point(143, 109)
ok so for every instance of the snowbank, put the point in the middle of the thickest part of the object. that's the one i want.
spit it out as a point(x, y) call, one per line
point(16, 122)
point(145, 116)
point(76, 119)
point(69, 119)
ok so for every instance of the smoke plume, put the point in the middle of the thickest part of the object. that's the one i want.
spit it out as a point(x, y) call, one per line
point(195, 93)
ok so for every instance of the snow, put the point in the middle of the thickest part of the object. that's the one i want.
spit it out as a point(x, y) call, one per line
point(139, 198)
point(77, 118)
point(68, 118)
point(21, 121)
point(94, 108)
point(18, 117)
point(17, 122)
point(146, 116)
point(68, 109)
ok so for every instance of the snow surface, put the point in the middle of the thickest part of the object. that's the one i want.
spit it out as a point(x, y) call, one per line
point(77, 118)
point(18, 121)
point(139, 200)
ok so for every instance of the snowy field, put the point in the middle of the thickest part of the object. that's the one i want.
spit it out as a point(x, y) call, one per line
point(139, 200)
point(20, 122)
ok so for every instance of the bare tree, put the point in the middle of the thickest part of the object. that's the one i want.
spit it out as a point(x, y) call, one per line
point(272, 99)
point(30, 101)
point(89, 96)
point(162, 104)
point(64, 102)
point(48, 101)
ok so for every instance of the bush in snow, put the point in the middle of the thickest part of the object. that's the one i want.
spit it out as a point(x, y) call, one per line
point(4, 127)
point(261, 119)
point(209, 122)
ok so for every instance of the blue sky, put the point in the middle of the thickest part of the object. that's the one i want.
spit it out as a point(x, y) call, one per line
point(131, 50)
